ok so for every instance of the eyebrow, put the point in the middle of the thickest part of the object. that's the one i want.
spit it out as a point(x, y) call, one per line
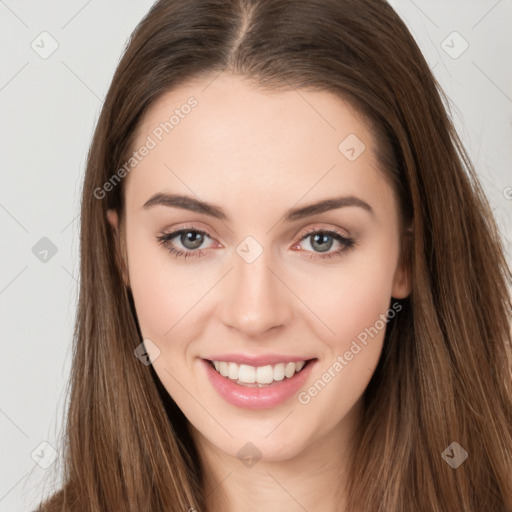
point(213, 210)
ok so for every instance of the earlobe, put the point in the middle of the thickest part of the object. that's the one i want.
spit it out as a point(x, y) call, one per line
point(402, 277)
point(113, 219)
point(401, 283)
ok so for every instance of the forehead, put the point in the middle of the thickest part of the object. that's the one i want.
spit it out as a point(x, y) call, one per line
point(232, 102)
point(225, 133)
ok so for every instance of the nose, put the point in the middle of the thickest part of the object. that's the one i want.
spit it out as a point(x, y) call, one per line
point(255, 297)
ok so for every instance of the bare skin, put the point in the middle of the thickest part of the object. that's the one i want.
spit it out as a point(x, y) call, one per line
point(256, 155)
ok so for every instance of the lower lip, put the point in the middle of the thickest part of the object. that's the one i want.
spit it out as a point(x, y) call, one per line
point(254, 397)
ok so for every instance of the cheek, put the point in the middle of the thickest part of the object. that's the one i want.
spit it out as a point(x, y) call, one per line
point(354, 297)
point(357, 306)
point(354, 303)
point(160, 296)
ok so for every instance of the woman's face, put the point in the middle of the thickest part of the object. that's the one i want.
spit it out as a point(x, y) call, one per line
point(270, 272)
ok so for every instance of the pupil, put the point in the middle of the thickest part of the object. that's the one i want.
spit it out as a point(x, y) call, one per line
point(322, 239)
point(191, 239)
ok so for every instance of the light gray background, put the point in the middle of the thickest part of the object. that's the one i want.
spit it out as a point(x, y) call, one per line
point(49, 108)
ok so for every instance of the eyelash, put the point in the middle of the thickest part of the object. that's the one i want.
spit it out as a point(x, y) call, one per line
point(347, 242)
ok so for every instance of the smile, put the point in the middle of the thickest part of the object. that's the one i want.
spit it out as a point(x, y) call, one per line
point(257, 387)
point(257, 376)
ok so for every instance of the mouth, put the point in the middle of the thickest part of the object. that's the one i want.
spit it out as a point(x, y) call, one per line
point(258, 376)
point(269, 385)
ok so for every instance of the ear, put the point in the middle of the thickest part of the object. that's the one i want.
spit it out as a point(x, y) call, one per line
point(401, 283)
point(121, 258)
point(402, 278)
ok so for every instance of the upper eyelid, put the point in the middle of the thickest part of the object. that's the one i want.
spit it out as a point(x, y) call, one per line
point(339, 232)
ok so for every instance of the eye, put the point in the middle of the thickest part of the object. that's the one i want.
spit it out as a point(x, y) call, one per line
point(190, 239)
point(322, 240)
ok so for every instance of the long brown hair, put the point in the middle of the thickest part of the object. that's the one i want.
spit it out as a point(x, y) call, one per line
point(445, 374)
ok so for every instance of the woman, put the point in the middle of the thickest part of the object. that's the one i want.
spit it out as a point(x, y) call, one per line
point(293, 295)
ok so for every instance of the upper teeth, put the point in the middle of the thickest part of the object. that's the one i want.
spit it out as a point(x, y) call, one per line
point(258, 374)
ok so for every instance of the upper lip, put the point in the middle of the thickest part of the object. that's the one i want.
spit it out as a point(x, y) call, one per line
point(257, 360)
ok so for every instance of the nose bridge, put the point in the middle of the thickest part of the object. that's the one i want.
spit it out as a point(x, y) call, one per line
point(256, 300)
